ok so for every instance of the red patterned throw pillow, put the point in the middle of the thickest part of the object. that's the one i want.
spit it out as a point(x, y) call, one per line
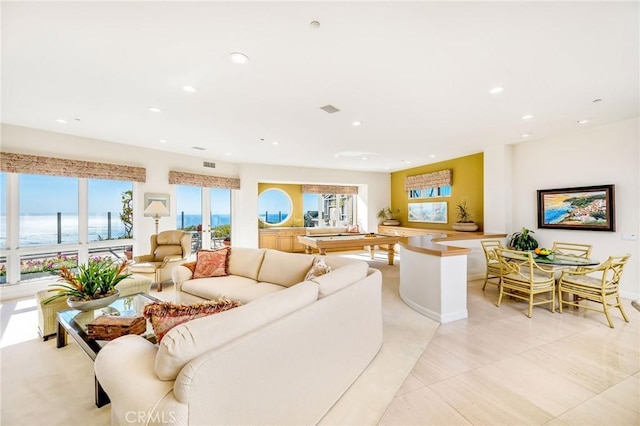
point(212, 263)
point(166, 315)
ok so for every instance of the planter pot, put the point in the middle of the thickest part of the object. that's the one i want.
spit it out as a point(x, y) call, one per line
point(391, 222)
point(465, 227)
point(91, 305)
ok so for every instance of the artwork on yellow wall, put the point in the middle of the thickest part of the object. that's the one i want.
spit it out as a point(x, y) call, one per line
point(428, 212)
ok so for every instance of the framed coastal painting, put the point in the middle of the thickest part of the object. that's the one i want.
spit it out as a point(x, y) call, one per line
point(589, 208)
point(428, 212)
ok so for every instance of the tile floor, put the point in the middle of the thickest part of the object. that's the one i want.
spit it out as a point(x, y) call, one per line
point(498, 367)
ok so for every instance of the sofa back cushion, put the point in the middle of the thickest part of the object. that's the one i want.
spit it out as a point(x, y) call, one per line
point(245, 262)
point(191, 339)
point(341, 277)
point(285, 269)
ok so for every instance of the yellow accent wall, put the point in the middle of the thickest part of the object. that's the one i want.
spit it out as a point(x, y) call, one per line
point(467, 182)
point(295, 193)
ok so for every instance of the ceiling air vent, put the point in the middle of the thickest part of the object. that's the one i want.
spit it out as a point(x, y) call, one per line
point(329, 109)
point(209, 164)
point(199, 148)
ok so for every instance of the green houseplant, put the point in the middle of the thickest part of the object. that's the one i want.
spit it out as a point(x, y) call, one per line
point(523, 240)
point(387, 216)
point(464, 222)
point(94, 282)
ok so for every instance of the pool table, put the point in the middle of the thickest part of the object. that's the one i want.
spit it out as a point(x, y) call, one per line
point(349, 241)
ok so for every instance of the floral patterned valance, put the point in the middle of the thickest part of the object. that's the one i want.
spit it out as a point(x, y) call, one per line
point(329, 189)
point(428, 180)
point(207, 181)
point(52, 166)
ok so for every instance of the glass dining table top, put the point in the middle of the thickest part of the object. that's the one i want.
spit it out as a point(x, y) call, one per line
point(564, 260)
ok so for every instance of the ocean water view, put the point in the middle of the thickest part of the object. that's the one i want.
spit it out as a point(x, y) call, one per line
point(555, 215)
point(43, 229)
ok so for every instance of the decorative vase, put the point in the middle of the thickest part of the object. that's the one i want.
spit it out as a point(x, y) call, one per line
point(465, 226)
point(91, 305)
point(391, 222)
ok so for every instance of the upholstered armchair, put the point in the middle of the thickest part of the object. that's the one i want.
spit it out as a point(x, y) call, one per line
point(168, 250)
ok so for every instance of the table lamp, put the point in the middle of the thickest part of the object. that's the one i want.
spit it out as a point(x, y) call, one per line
point(156, 210)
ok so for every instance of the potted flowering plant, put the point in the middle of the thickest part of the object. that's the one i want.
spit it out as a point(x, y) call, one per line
point(93, 286)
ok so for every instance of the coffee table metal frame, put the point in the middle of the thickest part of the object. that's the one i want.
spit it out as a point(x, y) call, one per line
point(68, 325)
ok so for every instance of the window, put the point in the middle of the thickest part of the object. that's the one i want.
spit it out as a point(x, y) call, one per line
point(441, 191)
point(48, 210)
point(106, 211)
point(328, 210)
point(220, 213)
point(189, 207)
point(274, 206)
point(3, 212)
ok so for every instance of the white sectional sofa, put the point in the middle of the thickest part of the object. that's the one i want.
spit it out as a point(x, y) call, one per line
point(284, 357)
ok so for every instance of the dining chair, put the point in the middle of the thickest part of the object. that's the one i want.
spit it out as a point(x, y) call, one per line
point(572, 249)
point(598, 284)
point(522, 278)
point(493, 266)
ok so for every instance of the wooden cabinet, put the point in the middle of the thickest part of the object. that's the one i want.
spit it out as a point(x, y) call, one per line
point(283, 239)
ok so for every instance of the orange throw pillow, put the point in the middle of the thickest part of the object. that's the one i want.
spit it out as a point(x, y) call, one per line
point(191, 266)
point(212, 263)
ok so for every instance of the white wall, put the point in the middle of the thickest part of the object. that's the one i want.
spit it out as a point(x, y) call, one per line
point(607, 154)
point(374, 187)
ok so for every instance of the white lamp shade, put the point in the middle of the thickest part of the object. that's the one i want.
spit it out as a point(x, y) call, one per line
point(156, 209)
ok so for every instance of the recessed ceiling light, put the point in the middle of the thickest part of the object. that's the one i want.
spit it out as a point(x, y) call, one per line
point(357, 123)
point(199, 148)
point(583, 121)
point(238, 58)
point(275, 143)
point(365, 158)
point(527, 116)
point(61, 120)
point(432, 156)
point(189, 89)
point(496, 89)
point(526, 135)
point(405, 161)
point(336, 155)
point(386, 167)
point(154, 109)
point(314, 24)
point(227, 153)
point(163, 141)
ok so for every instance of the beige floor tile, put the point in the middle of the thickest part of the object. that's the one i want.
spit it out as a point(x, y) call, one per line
point(482, 400)
point(619, 405)
point(410, 384)
point(534, 382)
point(421, 407)
point(580, 370)
point(438, 363)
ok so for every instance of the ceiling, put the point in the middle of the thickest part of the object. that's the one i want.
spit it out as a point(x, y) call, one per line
point(417, 75)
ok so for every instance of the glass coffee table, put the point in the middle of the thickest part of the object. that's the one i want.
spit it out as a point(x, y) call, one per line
point(74, 323)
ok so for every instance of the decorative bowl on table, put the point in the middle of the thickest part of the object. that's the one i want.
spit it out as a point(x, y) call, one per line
point(543, 253)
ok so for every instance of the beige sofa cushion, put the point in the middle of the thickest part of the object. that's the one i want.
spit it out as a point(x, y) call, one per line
point(341, 277)
point(216, 287)
point(284, 269)
point(187, 341)
point(245, 262)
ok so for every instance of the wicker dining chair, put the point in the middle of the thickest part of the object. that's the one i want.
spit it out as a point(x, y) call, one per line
point(524, 279)
point(493, 266)
point(598, 284)
point(572, 249)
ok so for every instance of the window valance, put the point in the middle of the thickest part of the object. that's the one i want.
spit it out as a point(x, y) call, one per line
point(52, 166)
point(428, 180)
point(194, 179)
point(329, 189)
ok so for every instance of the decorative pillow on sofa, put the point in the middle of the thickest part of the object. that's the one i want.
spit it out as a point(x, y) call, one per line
point(212, 263)
point(166, 315)
point(319, 268)
point(191, 266)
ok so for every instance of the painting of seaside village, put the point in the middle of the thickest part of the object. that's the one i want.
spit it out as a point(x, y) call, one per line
point(589, 209)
